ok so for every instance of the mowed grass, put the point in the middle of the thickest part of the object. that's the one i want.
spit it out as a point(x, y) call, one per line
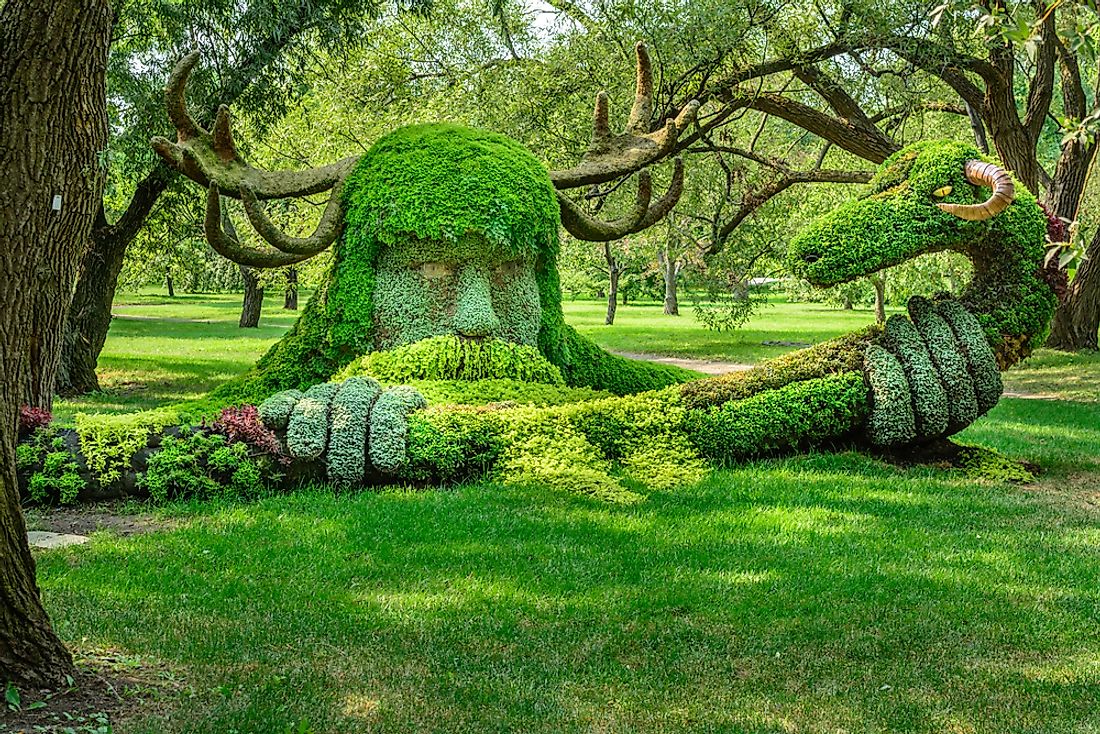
point(819, 593)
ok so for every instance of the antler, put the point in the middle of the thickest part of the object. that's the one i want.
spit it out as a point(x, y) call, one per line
point(212, 160)
point(642, 216)
point(611, 156)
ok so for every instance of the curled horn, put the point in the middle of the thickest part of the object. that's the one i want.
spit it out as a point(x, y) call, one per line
point(981, 173)
point(643, 214)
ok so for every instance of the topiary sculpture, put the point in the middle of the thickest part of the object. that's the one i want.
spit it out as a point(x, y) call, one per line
point(444, 277)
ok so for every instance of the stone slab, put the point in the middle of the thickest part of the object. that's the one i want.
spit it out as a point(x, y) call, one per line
point(42, 539)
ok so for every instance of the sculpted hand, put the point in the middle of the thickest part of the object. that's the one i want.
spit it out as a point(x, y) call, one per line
point(930, 376)
point(354, 425)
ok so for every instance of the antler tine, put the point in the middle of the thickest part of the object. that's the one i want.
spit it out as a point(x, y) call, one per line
point(642, 112)
point(328, 229)
point(229, 247)
point(213, 158)
point(175, 99)
point(664, 205)
point(611, 156)
point(583, 227)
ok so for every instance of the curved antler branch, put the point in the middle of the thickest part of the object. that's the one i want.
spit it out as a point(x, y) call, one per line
point(328, 229)
point(611, 156)
point(228, 246)
point(213, 158)
point(642, 215)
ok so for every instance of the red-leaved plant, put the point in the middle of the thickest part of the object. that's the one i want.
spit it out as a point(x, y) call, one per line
point(243, 424)
point(31, 419)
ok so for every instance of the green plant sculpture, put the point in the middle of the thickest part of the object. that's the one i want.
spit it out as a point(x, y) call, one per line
point(436, 350)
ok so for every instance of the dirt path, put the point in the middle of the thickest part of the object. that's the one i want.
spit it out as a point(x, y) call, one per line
point(705, 366)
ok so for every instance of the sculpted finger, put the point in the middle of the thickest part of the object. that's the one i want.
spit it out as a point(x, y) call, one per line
point(979, 356)
point(389, 427)
point(950, 364)
point(346, 457)
point(891, 422)
point(307, 429)
point(930, 409)
point(275, 411)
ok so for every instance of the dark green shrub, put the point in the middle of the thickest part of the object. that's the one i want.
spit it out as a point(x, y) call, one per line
point(203, 466)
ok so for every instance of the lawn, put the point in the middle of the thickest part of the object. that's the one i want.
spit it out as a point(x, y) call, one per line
point(819, 593)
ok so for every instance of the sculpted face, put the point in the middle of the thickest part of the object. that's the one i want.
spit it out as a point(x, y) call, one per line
point(470, 289)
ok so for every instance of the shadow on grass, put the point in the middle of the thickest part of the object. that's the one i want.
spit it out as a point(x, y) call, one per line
point(812, 594)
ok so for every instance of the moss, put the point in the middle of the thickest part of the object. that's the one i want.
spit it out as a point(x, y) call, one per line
point(983, 463)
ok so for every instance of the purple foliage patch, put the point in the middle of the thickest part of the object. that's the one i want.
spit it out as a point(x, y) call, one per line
point(31, 419)
point(243, 424)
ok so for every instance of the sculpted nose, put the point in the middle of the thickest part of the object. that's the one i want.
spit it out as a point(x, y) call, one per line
point(474, 315)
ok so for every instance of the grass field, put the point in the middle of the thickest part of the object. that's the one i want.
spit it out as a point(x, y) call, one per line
point(819, 593)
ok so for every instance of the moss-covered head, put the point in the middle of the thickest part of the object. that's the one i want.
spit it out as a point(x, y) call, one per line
point(897, 220)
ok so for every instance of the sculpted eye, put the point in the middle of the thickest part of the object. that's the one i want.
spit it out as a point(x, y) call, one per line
point(435, 271)
point(942, 192)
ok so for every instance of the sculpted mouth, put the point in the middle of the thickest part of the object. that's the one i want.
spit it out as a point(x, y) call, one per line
point(810, 258)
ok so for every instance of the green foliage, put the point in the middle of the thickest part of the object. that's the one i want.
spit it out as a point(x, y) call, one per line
point(980, 360)
point(665, 462)
point(345, 457)
point(59, 480)
point(480, 392)
point(202, 466)
point(109, 442)
point(583, 364)
point(899, 220)
point(275, 411)
point(453, 443)
point(892, 421)
point(308, 428)
point(931, 412)
point(800, 415)
point(983, 463)
point(454, 358)
point(961, 401)
point(839, 355)
point(389, 427)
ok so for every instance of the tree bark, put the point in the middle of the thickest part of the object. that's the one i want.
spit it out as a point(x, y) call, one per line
point(170, 283)
point(53, 131)
point(670, 269)
point(612, 297)
point(1077, 320)
point(880, 298)
point(253, 298)
point(290, 296)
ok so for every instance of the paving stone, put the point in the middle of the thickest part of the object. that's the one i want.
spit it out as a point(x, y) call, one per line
point(42, 539)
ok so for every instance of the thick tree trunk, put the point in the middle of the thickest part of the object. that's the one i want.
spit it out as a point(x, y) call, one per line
point(53, 131)
point(1077, 320)
point(290, 297)
point(880, 299)
point(253, 298)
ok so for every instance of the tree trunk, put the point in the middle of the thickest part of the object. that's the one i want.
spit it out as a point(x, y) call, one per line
point(89, 316)
point(670, 268)
point(1077, 320)
point(53, 131)
point(290, 297)
point(253, 298)
point(880, 299)
point(612, 297)
point(171, 285)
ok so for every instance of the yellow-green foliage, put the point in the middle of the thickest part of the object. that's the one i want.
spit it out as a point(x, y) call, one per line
point(452, 358)
point(58, 481)
point(109, 442)
point(843, 354)
point(982, 463)
point(202, 466)
point(480, 392)
point(665, 462)
point(798, 415)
